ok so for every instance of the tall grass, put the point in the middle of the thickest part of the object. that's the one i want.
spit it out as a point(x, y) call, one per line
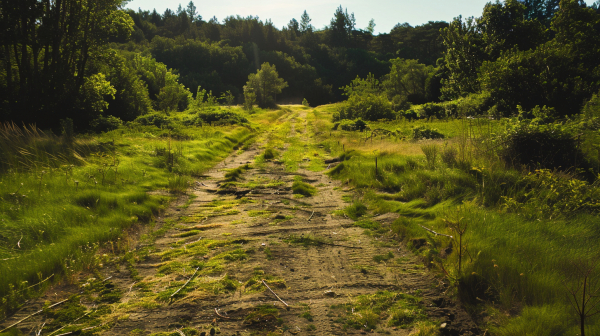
point(524, 233)
point(60, 201)
point(28, 147)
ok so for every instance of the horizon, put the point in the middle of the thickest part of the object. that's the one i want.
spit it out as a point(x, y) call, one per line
point(321, 11)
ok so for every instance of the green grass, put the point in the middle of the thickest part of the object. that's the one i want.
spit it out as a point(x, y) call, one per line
point(525, 233)
point(368, 311)
point(300, 187)
point(65, 199)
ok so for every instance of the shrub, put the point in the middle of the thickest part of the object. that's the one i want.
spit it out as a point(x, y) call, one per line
point(431, 152)
point(156, 119)
point(220, 117)
point(433, 110)
point(410, 114)
point(105, 123)
point(546, 146)
point(368, 107)
point(449, 155)
point(422, 132)
point(351, 125)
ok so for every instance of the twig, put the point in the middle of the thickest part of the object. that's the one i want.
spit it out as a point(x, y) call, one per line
point(219, 315)
point(269, 288)
point(311, 216)
point(27, 317)
point(180, 332)
point(110, 277)
point(185, 284)
point(435, 233)
point(24, 289)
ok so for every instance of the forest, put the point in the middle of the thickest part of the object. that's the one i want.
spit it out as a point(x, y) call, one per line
point(478, 138)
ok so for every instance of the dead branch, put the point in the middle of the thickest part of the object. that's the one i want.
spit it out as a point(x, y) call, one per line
point(311, 215)
point(185, 284)
point(278, 298)
point(219, 315)
point(435, 233)
point(29, 316)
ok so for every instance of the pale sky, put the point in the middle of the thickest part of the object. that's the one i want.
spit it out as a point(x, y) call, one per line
point(386, 13)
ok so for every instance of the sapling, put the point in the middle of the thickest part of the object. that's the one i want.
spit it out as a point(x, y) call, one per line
point(584, 291)
point(460, 228)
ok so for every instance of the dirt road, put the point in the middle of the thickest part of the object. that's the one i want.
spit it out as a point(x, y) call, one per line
point(244, 255)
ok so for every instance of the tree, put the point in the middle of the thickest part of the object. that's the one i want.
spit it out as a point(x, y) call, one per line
point(294, 28)
point(192, 12)
point(48, 48)
point(305, 25)
point(341, 27)
point(266, 84)
point(371, 27)
point(464, 54)
point(503, 27)
point(408, 79)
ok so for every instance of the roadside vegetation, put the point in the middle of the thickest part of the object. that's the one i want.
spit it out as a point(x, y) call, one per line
point(66, 198)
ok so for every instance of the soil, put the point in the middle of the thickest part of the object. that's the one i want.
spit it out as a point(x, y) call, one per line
point(269, 223)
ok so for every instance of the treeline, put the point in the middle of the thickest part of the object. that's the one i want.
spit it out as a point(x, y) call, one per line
point(516, 58)
point(98, 64)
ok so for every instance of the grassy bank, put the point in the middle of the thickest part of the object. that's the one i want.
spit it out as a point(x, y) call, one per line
point(521, 241)
point(62, 199)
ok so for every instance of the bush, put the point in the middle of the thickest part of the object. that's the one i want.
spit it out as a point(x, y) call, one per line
point(219, 117)
point(422, 132)
point(105, 123)
point(546, 146)
point(410, 114)
point(351, 125)
point(368, 107)
point(433, 110)
point(156, 119)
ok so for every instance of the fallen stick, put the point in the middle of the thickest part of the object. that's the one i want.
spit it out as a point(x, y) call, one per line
point(185, 284)
point(27, 317)
point(278, 298)
point(219, 315)
point(435, 233)
point(180, 332)
point(311, 216)
point(24, 289)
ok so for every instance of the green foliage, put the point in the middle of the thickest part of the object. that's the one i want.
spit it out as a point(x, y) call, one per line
point(551, 146)
point(422, 132)
point(552, 195)
point(105, 123)
point(266, 84)
point(350, 125)
point(220, 117)
point(270, 154)
point(302, 188)
point(397, 309)
point(407, 79)
point(356, 210)
point(367, 107)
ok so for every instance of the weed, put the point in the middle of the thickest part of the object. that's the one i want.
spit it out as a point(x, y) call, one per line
point(356, 210)
point(301, 188)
